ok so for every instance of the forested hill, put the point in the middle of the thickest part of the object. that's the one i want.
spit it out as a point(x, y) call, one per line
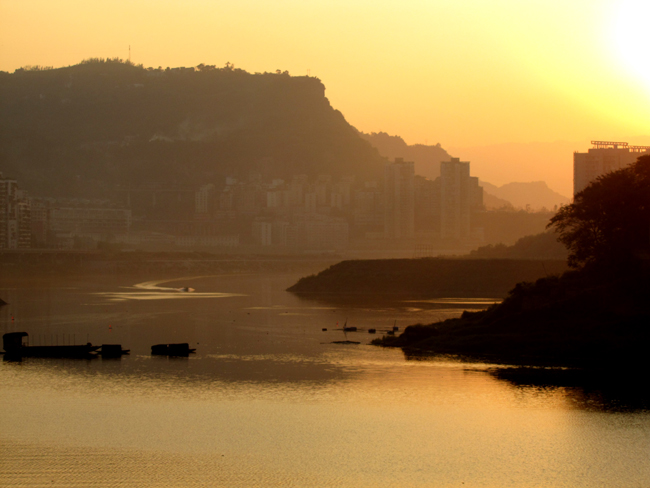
point(84, 129)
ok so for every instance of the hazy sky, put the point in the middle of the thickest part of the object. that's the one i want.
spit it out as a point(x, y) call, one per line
point(462, 73)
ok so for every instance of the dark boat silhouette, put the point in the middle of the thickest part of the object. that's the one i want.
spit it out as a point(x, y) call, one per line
point(113, 351)
point(16, 344)
point(182, 349)
point(348, 329)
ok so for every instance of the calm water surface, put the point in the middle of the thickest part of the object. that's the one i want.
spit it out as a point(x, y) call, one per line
point(268, 400)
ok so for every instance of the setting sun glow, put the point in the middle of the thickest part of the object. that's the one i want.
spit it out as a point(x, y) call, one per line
point(631, 37)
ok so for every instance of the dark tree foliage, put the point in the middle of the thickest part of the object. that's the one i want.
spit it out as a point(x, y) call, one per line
point(608, 224)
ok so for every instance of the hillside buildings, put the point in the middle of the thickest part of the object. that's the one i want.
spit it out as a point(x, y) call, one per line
point(444, 208)
point(90, 221)
point(253, 214)
point(601, 159)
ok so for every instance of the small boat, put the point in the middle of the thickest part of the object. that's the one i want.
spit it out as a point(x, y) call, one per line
point(348, 329)
point(182, 349)
point(186, 289)
point(16, 344)
point(113, 351)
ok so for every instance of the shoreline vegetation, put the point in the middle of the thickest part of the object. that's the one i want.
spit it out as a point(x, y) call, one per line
point(578, 319)
point(553, 317)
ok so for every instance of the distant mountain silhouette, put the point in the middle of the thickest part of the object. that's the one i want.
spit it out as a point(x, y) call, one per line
point(426, 158)
point(84, 129)
point(534, 161)
point(491, 202)
point(537, 194)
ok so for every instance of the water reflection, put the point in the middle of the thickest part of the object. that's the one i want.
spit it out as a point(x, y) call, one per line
point(610, 391)
point(161, 295)
point(396, 302)
point(269, 401)
point(153, 291)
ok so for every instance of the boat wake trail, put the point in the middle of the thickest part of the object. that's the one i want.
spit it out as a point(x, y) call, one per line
point(154, 285)
point(151, 290)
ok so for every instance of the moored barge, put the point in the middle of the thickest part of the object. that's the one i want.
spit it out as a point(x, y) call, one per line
point(16, 344)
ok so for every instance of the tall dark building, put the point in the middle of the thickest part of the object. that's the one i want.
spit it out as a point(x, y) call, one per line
point(601, 159)
point(460, 193)
point(399, 208)
point(15, 221)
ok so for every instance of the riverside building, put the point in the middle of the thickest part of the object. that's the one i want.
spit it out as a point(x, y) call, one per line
point(603, 158)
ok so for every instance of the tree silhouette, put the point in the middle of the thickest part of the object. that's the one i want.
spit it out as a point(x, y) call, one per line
point(608, 224)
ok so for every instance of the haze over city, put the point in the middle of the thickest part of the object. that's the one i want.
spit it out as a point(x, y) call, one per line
point(324, 243)
point(463, 74)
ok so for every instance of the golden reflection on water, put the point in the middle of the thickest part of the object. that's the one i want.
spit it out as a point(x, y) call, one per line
point(458, 301)
point(157, 292)
point(268, 401)
point(161, 295)
point(388, 423)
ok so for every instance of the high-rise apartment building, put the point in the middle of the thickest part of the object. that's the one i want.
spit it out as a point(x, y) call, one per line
point(15, 216)
point(603, 158)
point(203, 199)
point(460, 194)
point(40, 221)
point(89, 221)
point(399, 205)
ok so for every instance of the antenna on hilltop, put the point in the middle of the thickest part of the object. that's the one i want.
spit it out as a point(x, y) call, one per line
point(129, 53)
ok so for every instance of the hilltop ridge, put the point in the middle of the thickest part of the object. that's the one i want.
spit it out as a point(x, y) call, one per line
point(85, 129)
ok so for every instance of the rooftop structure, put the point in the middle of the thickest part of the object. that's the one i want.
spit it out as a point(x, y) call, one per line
point(601, 159)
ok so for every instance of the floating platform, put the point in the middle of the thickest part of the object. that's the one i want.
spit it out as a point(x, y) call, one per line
point(16, 344)
point(182, 350)
point(113, 351)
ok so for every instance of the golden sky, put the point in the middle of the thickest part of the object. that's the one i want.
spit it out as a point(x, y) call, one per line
point(463, 73)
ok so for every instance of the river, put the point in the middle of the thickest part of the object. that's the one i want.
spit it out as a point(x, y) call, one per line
point(269, 400)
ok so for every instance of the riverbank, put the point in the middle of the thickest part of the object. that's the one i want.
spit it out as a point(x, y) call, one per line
point(82, 262)
point(578, 319)
point(426, 277)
